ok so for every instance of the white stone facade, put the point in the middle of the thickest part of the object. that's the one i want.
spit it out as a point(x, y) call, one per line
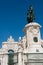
point(28, 50)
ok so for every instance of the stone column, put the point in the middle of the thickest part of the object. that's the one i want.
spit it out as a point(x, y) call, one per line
point(5, 59)
point(23, 59)
point(19, 58)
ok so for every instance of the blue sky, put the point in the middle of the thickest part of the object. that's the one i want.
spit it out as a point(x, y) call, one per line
point(13, 17)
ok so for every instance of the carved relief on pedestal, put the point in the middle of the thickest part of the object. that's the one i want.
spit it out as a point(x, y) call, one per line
point(22, 43)
point(34, 30)
point(20, 47)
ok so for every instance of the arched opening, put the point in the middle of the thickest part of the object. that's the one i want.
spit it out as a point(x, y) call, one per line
point(10, 57)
